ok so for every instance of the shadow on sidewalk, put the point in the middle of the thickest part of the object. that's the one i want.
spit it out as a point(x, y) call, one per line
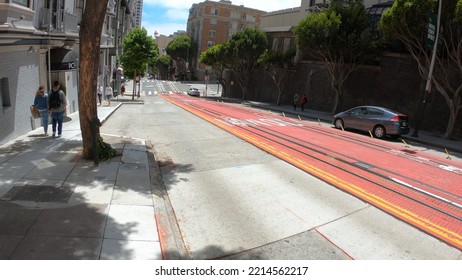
point(65, 218)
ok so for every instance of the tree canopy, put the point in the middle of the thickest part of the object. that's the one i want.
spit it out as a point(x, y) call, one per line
point(245, 48)
point(277, 63)
point(408, 21)
point(217, 57)
point(140, 50)
point(182, 47)
point(339, 36)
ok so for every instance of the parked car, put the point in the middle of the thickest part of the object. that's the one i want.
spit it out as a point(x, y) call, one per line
point(378, 120)
point(194, 92)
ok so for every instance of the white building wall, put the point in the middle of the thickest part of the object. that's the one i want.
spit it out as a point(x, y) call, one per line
point(21, 68)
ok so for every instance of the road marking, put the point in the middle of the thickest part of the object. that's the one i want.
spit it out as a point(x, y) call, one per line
point(426, 192)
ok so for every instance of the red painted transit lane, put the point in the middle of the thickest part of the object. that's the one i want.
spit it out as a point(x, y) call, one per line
point(416, 187)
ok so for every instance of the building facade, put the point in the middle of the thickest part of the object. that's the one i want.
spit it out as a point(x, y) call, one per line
point(39, 45)
point(137, 12)
point(211, 23)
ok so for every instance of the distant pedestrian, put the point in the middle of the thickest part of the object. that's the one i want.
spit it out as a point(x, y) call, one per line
point(296, 100)
point(40, 101)
point(99, 91)
point(109, 94)
point(122, 90)
point(303, 101)
point(57, 104)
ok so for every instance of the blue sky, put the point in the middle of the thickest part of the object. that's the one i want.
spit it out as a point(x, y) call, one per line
point(169, 16)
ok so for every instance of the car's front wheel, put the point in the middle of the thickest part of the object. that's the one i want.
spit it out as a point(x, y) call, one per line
point(379, 131)
point(338, 123)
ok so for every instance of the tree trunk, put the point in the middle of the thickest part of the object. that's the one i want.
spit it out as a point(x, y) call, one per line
point(90, 37)
point(134, 85)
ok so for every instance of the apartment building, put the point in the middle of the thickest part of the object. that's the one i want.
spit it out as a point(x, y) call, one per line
point(38, 45)
point(211, 23)
point(278, 25)
point(138, 12)
point(118, 22)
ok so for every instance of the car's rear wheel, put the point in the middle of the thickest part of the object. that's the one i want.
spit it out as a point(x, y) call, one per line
point(379, 131)
point(338, 123)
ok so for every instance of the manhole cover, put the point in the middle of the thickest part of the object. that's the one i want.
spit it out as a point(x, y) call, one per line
point(39, 193)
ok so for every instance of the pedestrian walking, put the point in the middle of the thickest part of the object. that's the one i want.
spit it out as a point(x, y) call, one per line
point(296, 100)
point(303, 101)
point(99, 90)
point(57, 105)
point(122, 90)
point(109, 94)
point(40, 101)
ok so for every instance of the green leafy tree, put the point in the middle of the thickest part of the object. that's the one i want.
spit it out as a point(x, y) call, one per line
point(140, 50)
point(217, 57)
point(407, 21)
point(180, 50)
point(245, 48)
point(277, 64)
point(338, 36)
point(90, 39)
point(163, 63)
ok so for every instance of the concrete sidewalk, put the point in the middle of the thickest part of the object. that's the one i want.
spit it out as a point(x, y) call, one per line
point(55, 205)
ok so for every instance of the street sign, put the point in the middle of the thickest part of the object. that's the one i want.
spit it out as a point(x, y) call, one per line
point(431, 34)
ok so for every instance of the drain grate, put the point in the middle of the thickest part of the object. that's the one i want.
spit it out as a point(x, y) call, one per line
point(39, 193)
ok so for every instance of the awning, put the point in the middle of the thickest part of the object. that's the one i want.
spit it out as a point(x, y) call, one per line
point(64, 60)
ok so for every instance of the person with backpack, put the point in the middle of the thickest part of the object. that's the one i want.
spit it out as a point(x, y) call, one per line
point(57, 105)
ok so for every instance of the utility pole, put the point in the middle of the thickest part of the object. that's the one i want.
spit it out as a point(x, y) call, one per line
point(428, 86)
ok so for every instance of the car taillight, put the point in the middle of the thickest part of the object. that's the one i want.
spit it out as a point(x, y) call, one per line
point(399, 118)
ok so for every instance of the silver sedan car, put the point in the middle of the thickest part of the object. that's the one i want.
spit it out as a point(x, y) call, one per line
point(194, 92)
point(377, 120)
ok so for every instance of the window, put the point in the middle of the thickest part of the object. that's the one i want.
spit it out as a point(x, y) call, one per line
point(234, 25)
point(250, 18)
point(358, 111)
point(213, 22)
point(312, 3)
point(24, 3)
point(5, 99)
point(235, 15)
point(210, 44)
point(374, 112)
point(212, 33)
point(214, 12)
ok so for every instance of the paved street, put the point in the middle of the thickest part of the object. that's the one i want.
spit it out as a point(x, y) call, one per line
point(232, 200)
point(186, 189)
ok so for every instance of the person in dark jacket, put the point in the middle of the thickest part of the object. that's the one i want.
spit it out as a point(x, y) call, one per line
point(57, 112)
